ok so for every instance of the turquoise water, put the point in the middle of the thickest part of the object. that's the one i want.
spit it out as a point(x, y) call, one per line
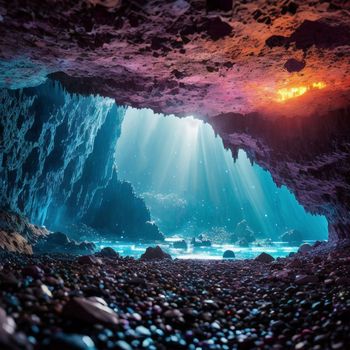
point(215, 252)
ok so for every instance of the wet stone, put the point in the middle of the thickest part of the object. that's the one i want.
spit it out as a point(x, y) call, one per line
point(64, 341)
point(90, 310)
point(264, 258)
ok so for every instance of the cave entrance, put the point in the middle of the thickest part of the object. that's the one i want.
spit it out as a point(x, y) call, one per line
point(126, 177)
point(194, 188)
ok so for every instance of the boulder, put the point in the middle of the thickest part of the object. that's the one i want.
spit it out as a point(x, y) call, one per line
point(155, 253)
point(109, 252)
point(180, 244)
point(243, 234)
point(243, 243)
point(89, 260)
point(264, 258)
point(229, 254)
point(90, 311)
point(17, 234)
point(216, 28)
point(59, 242)
point(304, 248)
point(201, 242)
point(292, 237)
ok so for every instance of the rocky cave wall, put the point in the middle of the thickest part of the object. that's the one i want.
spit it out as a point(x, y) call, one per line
point(57, 163)
point(310, 155)
point(210, 59)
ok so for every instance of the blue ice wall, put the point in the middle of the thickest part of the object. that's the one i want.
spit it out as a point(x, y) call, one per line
point(191, 184)
point(57, 163)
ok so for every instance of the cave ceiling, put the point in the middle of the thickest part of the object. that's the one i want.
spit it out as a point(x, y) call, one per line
point(181, 57)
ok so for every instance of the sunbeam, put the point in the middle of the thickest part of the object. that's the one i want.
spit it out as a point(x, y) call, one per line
point(191, 183)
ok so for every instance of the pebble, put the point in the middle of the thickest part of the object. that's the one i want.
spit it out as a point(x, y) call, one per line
point(180, 304)
point(64, 341)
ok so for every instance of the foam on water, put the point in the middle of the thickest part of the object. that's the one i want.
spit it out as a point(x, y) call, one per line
point(215, 252)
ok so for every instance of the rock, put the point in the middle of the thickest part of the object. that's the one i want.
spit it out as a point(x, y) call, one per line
point(180, 244)
point(155, 253)
point(276, 41)
point(123, 345)
point(243, 234)
point(283, 275)
point(264, 258)
point(229, 254)
point(71, 342)
point(304, 248)
point(293, 65)
point(216, 28)
point(292, 237)
point(173, 314)
point(17, 234)
point(57, 238)
point(243, 243)
point(292, 8)
point(143, 331)
point(7, 331)
point(90, 310)
point(59, 242)
point(33, 271)
point(137, 281)
point(223, 5)
point(342, 280)
point(109, 252)
point(306, 279)
point(89, 259)
point(8, 279)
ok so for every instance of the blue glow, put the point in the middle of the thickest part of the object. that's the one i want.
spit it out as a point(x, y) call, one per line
point(191, 184)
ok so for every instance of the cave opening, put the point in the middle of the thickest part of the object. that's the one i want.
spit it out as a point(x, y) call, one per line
point(125, 177)
point(194, 187)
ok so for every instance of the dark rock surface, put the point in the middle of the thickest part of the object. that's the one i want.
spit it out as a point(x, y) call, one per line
point(243, 234)
point(264, 258)
point(17, 234)
point(108, 252)
point(304, 248)
point(57, 164)
point(228, 254)
point(155, 253)
point(292, 237)
point(58, 242)
point(293, 303)
point(90, 310)
point(180, 244)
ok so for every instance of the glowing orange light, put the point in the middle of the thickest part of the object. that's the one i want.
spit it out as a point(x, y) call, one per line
point(292, 92)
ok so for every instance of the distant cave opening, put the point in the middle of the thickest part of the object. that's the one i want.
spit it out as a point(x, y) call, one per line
point(194, 187)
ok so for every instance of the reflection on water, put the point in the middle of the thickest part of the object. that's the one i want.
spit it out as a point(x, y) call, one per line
point(215, 252)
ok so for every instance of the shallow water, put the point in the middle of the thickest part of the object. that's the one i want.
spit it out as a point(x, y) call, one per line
point(215, 252)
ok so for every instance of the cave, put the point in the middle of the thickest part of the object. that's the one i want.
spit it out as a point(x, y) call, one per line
point(174, 174)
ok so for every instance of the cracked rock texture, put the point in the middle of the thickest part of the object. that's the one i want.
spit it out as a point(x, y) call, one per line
point(57, 163)
point(220, 61)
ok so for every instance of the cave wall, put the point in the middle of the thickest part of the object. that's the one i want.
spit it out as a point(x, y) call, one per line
point(57, 162)
point(310, 155)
